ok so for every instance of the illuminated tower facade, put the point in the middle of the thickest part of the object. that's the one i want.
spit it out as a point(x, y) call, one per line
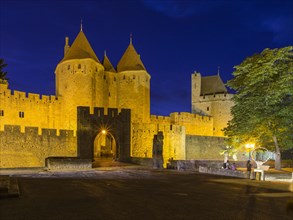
point(133, 89)
point(211, 98)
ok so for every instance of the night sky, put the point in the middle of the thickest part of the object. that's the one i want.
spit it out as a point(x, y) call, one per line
point(173, 37)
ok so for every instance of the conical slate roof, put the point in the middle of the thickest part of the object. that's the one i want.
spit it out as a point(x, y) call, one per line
point(212, 85)
point(107, 64)
point(130, 60)
point(80, 49)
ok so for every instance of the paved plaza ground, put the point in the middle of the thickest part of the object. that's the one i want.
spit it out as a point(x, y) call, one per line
point(134, 192)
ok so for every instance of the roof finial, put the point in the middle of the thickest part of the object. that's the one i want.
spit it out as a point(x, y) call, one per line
point(105, 53)
point(218, 70)
point(130, 38)
point(80, 24)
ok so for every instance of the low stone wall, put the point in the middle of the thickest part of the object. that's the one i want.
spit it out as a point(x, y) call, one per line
point(71, 163)
point(285, 163)
point(195, 164)
point(142, 161)
point(222, 172)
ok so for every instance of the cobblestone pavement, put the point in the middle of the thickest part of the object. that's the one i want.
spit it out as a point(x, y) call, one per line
point(134, 192)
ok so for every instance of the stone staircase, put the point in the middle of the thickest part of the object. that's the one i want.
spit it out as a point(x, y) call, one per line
point(8, 187)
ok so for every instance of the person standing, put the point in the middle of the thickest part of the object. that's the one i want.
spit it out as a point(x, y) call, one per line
point(248, 166)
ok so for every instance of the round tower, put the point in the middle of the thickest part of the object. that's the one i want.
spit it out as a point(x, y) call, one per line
point(133, 89)
point(79, 79)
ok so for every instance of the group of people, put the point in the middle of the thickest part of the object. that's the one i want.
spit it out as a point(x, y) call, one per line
point(229, 166)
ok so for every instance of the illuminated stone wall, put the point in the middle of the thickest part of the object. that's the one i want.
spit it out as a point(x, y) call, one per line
point(29, 149)
point(219, 107)
point(133, 92)
point(195, 124)
point(173, 143)
point(204, 147)
point(29, 109)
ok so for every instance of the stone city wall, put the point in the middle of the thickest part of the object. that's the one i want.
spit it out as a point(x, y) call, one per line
point(195, 124)
point(204, 147)
point(30, 149)
point(173, 143)
point(20, 108)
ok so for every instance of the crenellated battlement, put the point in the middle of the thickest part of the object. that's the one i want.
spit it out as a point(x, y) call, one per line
point(176, 117)
point(28, 97)
point(86, 112)
point(158, 119)
point(188, 117)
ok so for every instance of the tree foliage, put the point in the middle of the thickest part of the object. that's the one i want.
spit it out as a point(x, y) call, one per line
point(263, 110)
point(2, 73)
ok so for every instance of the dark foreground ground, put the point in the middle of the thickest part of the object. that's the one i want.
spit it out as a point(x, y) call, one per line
point(134, 193)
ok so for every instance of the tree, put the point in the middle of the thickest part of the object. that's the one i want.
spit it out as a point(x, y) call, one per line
point(263, 109)
point(2, 73)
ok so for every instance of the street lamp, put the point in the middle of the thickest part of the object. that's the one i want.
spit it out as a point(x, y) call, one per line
point(249, 146)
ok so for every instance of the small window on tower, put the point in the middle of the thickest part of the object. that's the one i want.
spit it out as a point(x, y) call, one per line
point(1, 112)
point(104, 77)
point(21, 114)
point(68, 67)
point(79, 66)
point(124, 77)
point(208, 108)
point(109, 94)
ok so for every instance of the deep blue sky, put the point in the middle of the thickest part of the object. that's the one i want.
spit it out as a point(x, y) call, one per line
point(173, 37)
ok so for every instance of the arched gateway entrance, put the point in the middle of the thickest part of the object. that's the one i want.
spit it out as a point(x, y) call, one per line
point(103, 136)
point(105, 146)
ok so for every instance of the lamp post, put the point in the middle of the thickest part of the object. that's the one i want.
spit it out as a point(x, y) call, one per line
point(249, 146)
